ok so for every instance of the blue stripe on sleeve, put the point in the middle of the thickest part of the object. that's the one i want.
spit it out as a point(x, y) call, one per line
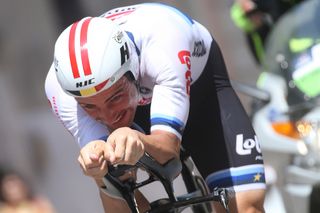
point(168, 121)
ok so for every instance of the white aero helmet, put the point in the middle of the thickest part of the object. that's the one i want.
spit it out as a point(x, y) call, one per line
point(91, 55)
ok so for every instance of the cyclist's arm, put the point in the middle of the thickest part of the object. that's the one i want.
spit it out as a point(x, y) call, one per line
point(167, 62)
point(161, 145)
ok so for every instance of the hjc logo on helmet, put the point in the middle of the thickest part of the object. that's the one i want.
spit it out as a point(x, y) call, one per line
point(85, 83)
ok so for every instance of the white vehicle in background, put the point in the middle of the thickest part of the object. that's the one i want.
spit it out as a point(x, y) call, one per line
point(286, 111)
point(291, 148)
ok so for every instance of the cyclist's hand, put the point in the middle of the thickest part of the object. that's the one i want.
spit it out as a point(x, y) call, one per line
point(92, 160)
point(124, 147)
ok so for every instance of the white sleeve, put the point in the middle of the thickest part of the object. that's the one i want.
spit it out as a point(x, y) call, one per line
point(83, 128)
point(167, 59)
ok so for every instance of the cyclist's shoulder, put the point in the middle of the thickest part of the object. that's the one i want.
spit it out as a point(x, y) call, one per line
point(148, 15)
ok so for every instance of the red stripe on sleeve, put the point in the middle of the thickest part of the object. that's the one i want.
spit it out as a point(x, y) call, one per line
point(84, 49)
point(72, 55)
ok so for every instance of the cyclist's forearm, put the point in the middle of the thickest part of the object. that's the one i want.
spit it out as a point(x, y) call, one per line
point(161, 145)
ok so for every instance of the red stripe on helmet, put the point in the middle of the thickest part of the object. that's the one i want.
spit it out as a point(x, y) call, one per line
point(101, 85)
point(84, 48)
point(72, 54)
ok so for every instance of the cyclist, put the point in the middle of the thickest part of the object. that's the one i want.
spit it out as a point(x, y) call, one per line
point(256, 18)
point(153, 66)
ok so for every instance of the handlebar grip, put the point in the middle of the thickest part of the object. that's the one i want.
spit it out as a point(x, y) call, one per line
point(119, 170)
point(168, 171)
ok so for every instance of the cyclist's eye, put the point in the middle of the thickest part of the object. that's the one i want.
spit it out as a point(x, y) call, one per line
point(116, 98)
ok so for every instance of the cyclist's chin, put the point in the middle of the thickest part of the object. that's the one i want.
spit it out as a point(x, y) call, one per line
point(126, 120)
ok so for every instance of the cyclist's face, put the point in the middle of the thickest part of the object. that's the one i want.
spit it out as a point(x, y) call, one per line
point(114, 107)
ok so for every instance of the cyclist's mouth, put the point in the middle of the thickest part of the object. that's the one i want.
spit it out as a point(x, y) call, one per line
point(119, 117)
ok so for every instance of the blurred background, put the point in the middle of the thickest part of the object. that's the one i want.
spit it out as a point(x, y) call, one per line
point(32, 140)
